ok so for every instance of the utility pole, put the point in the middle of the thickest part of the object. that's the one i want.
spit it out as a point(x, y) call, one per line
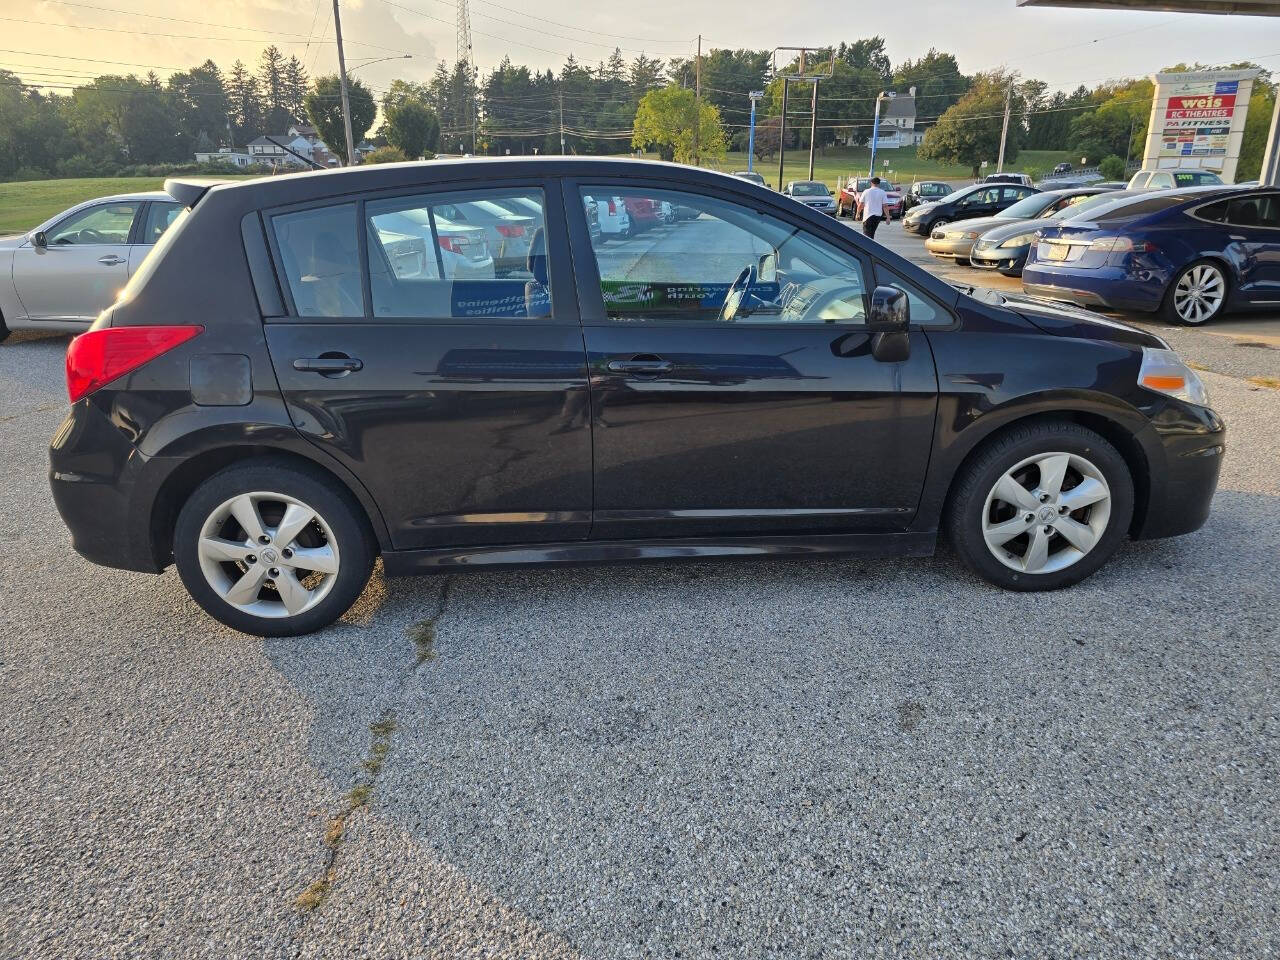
point(782, 131)
point(1004, 130)
point(813, 124)
point(342, 82)
point(562, 122)
point(697, 99)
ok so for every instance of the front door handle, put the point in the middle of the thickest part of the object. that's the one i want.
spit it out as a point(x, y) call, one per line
point(643, 365)
point(330, 364)
point(110, 260)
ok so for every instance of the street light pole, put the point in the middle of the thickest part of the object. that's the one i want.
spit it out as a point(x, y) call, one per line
point(1004, 130)
point(782, 131)
point(875, 133)
point(342, 83)
point(813, 125)
point(756, 96)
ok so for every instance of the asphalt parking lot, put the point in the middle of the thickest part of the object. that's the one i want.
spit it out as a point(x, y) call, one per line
point(758, 759)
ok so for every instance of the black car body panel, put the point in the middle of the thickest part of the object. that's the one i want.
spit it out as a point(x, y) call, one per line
point(499, 441)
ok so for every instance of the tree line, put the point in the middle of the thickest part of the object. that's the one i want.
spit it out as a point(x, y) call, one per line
point(116, 122)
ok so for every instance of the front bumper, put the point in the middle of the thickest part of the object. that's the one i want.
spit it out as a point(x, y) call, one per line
point(950, 249)
point(1004, 259)
point(1192, 442)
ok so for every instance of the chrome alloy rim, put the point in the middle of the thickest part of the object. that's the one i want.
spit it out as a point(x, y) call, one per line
point(1046, 512)
point(1199, 293)
point(268, 554)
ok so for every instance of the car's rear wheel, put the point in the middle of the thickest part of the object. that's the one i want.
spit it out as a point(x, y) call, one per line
point(1197, 295)
point(1042, 507)
point(272, 549)
point(4, 329)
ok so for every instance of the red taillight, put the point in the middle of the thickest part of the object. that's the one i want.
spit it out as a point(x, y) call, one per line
point(612, 209)
point(96, 358)
point(452, 244)
point(508, 231)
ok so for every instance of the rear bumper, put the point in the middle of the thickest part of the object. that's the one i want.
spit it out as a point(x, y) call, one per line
point(97, 480)
point(1111, 288)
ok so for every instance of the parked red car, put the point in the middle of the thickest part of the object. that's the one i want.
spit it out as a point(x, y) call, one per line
point(644, 212)
point(851, 195)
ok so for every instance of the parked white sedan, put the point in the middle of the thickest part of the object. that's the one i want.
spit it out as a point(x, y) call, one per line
point(63, 273)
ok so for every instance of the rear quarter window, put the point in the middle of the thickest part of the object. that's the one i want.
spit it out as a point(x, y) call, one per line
point(1140, 208)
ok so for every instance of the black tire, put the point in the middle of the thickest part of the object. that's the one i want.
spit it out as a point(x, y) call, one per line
point(1169, 312)
point(334, 504)
point(971, 487)
point(4, 329)
point(935, 224)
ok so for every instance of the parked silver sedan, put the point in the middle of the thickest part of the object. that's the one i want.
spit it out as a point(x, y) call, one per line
point(66, 271)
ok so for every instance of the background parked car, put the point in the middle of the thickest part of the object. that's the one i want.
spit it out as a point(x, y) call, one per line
point(508, 234)
point(925, 191)
point(406, 239)
point(750, 175)
point(955, 241)
point(979, 200)
point(66, 271)
point(644, 212)
point(1005, 247)
point(1191, 254)
point(1021, 178)
point(614, 219)
point(850, 194)
point(1169, 179)
point(1061, 168)
point(812, 193)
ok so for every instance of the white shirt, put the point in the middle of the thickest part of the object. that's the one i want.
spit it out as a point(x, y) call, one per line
point(872, 200)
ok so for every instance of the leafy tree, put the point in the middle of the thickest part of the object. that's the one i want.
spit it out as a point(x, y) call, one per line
point(867, 54)
point(412, 128)
point(386, 155)
point(937, 79)
point(275, 94)
point(296, 84)
point(665, 120)
point(969, 132)
point(1118, 125)
point(1256, 125)
point(201, 106)
point(645, 74)
point(244, 104)
point(324, 110)
point(1111, 167)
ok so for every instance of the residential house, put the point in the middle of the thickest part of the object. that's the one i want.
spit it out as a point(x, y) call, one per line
point(898, 121)
point(236, 156)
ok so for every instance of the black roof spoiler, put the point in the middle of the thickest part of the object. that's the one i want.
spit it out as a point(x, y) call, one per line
point(189, 192)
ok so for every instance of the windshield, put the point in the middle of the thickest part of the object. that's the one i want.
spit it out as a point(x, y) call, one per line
point(1027, 208)
point(808, 188)
point(1085, 205)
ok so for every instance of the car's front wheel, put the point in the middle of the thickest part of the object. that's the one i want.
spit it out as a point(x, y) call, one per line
point(272, 549)
point(940, 222)
point(1197, 295)
point(1041, 507)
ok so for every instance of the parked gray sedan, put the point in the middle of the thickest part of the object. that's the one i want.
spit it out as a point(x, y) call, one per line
point(954, 241)
point(63, 273)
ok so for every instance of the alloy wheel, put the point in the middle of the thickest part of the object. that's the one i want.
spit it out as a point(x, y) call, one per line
point(1046, 512)
point(268, 554)
point(1199, 293)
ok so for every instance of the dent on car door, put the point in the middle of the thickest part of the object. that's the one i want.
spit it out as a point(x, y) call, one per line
point(81, 268)
point(733, 385)
point(459, 398)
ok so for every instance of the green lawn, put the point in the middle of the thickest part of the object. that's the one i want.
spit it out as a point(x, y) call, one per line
point(26, 204)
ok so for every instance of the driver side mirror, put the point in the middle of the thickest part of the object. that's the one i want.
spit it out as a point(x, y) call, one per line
point(767, 271)
point(38, 239)
point(888, 321)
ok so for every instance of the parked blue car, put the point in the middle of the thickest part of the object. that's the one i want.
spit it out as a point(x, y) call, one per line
point(1189, 254)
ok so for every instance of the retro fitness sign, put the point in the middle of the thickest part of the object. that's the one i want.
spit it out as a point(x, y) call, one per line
point(1197, 119)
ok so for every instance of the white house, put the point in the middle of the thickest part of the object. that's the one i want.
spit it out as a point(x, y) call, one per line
point(237, 156)
point(898, 121)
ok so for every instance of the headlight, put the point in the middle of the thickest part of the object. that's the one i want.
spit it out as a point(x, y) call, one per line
point(1021, 240)
point(1164, 372)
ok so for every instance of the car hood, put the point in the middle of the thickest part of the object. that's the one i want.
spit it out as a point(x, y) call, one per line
point(920, 209)
point(12, 241)
point(1066, 320)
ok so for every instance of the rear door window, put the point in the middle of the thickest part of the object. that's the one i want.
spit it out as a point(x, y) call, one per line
point(1256, 211)
point(160, 216)
point(320, 259)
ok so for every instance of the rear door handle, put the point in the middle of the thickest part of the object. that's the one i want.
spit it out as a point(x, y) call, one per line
point(110, 260)
point(328, 364)
point(642, 365)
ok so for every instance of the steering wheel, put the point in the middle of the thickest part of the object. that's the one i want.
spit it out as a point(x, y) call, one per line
point(738, 290)
point(89, 235)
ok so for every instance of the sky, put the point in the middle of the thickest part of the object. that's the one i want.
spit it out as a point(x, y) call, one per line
point(67, 42)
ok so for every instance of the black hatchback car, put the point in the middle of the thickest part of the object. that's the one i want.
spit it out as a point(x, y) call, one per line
point(967, 203)
point(315, 370)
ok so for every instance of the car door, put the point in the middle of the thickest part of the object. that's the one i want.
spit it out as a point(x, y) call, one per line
point(460, 402)
point(1254, 224)
point(82, 265)
point(779, 420)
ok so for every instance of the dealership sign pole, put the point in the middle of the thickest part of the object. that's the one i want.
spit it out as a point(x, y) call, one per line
point(755, 96)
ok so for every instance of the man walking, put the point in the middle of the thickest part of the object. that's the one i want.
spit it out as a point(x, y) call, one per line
point(871, 207)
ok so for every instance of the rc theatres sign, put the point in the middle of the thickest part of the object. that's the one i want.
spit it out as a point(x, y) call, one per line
point(1197, 120)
